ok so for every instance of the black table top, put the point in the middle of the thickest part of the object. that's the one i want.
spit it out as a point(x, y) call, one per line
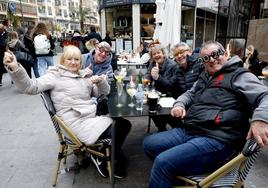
point(125, 110)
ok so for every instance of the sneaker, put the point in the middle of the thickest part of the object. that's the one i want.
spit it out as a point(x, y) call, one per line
point(100, 165)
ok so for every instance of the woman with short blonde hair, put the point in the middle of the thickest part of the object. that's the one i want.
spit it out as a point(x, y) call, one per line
point(74, 97)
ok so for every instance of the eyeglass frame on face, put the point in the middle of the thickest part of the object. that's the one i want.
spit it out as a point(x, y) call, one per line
point(102, 49)
point(181, 52)
point(214, 55)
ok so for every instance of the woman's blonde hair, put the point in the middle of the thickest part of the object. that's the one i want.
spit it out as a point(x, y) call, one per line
point(156, 47)
point(13, 35)
point(71, 51)
point(181, 48)
point(92, 43)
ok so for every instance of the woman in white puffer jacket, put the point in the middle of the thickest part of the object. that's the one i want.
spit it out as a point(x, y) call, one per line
point(72, 92)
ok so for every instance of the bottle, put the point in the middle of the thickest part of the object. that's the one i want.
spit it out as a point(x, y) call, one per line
point(139, 97)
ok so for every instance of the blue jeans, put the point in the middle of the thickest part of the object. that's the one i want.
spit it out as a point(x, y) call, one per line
point(176, 152)
point(43, 62)
point(35, 69)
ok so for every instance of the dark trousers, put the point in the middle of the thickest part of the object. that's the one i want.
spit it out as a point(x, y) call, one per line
point(122, 128)
point(162, 121)
point(1, 70)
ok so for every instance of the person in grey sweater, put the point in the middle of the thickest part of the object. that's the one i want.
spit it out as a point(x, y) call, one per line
point(226, 106)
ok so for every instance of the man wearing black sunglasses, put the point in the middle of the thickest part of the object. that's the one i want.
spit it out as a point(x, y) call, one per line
point(226, 106)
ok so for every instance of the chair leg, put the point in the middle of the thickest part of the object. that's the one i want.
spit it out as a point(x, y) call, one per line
point(108, 154)
point(56, 173)
point(60, 157)
point(149, 124)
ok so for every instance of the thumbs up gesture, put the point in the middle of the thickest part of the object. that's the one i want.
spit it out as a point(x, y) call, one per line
point(155, 72)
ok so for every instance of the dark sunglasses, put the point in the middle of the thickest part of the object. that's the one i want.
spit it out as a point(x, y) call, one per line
point(214, 55)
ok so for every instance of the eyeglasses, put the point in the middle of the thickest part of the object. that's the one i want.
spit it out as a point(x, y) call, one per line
point(101, 49)
point(214, 55)
point(180, 52)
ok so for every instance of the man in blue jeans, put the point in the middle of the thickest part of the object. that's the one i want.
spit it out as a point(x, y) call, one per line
point(216, 123)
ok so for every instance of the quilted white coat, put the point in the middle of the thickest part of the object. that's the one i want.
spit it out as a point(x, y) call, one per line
point(73, 98)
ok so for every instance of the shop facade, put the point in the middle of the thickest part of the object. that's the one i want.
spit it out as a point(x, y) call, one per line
point(132, 21)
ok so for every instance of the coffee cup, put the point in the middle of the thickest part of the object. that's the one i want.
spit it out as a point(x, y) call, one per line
point(152, 101)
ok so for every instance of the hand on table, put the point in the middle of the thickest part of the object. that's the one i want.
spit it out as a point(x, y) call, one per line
point(178, 112)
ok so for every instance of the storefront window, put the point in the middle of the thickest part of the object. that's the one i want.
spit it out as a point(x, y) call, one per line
point(119, 21)
point(205, 27)
point(187, 25)
point(147, 12)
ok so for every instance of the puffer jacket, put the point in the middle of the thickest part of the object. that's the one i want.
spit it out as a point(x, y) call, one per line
point(186, 78)
point(166, 83)
point(72, 95)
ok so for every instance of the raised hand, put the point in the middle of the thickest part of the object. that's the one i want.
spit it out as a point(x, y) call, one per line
point(155, 72)
point(10, 60)
point(96, 79)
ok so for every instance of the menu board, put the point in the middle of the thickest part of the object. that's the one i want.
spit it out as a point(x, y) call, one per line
point(119, 46)
point(128, 45)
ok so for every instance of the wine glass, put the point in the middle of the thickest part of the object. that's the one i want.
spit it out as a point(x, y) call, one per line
point(131, 90)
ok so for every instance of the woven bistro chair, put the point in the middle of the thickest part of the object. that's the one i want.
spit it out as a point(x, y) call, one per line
point(70, 144)
point(232, 174)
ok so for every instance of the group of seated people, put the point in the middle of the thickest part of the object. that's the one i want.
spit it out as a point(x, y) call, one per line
point(219, 105)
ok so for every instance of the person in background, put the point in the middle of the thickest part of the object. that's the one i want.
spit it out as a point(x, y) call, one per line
point(21, 52)
point(108, 38)
point(79, 41)
point(72, 92)
point(236, 47)
point(3, 47)
point(161, 73)
point(91, 44)
point(28, 42)
point(43, 60)
point(216, 113)
point(99, 60)
point(93, 34)
point(252, 61)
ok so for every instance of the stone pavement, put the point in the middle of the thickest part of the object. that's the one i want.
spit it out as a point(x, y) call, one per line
point(29, 149)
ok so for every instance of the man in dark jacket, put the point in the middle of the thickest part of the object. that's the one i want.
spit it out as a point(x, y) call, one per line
point(216, 124)
point(93, 34)
point(3, 46)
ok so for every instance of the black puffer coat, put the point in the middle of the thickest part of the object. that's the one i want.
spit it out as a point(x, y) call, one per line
point(186, 78)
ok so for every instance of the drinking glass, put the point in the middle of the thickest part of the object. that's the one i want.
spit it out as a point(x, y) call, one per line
point(265, 71)
point(131, 90)
point(119, 86)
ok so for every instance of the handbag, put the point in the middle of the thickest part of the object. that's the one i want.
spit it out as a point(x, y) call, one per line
point(102, 105)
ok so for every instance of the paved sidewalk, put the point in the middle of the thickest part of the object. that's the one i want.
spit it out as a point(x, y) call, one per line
point(29, 149)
